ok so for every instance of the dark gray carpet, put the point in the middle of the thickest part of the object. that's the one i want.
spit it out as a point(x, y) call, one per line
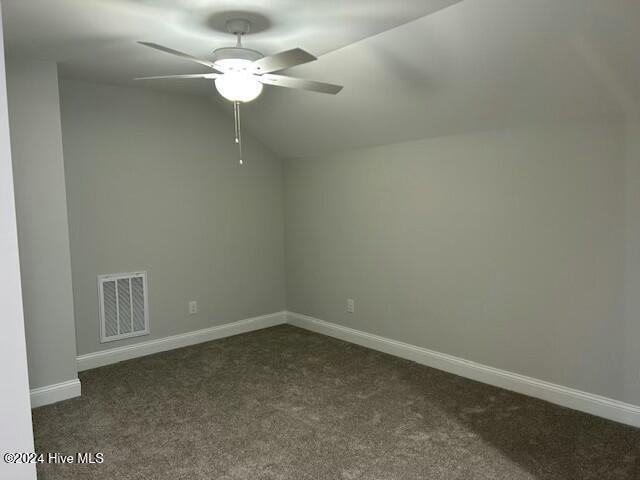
point(284, 403)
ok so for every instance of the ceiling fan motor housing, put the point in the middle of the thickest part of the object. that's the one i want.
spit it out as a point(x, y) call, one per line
point(235, 53)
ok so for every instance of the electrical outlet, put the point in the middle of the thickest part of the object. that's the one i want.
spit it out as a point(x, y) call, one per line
point(193, 307)
point(351, 305)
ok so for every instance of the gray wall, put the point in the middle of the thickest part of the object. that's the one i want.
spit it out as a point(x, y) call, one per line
point(153, 183)
point(631, 370)
point(15, 417)
point(514, 249)
point(34, 118)
point(505, 248)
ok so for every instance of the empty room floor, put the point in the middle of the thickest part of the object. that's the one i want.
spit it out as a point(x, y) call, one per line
point(285, 403)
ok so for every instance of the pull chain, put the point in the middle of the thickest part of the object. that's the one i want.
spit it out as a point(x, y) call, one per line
point(236, 119)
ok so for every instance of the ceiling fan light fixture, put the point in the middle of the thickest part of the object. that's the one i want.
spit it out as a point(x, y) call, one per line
point(238, 86)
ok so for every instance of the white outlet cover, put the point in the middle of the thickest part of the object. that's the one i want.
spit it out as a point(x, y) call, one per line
point(350, 305)
point(193, 307)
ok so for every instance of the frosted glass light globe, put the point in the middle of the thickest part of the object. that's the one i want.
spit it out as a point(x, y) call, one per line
point(238, 86)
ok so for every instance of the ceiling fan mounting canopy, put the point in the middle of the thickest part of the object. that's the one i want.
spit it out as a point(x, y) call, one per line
point(238, 26)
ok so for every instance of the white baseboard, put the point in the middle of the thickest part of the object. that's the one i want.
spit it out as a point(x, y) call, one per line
point(558, 394)
point(564, 396)
point(55, 393)
point(119, 354)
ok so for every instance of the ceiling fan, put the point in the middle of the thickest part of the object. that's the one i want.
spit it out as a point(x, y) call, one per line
point(239, 73)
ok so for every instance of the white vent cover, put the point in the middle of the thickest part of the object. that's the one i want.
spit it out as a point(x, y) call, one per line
point(124, 308)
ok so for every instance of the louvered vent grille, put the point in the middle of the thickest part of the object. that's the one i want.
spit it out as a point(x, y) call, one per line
point(123, 305)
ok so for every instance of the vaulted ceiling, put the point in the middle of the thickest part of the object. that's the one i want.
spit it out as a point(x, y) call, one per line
point(411, 68)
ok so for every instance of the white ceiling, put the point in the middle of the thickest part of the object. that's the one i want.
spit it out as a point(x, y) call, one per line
point(475, 65)
point(97, 38)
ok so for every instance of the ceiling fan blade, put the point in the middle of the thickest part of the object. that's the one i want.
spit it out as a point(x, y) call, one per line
point(186, 56)
point(282, 60)
point(299, 83)
point(189, 75)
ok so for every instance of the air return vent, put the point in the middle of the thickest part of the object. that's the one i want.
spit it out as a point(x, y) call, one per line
point(124, 309)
